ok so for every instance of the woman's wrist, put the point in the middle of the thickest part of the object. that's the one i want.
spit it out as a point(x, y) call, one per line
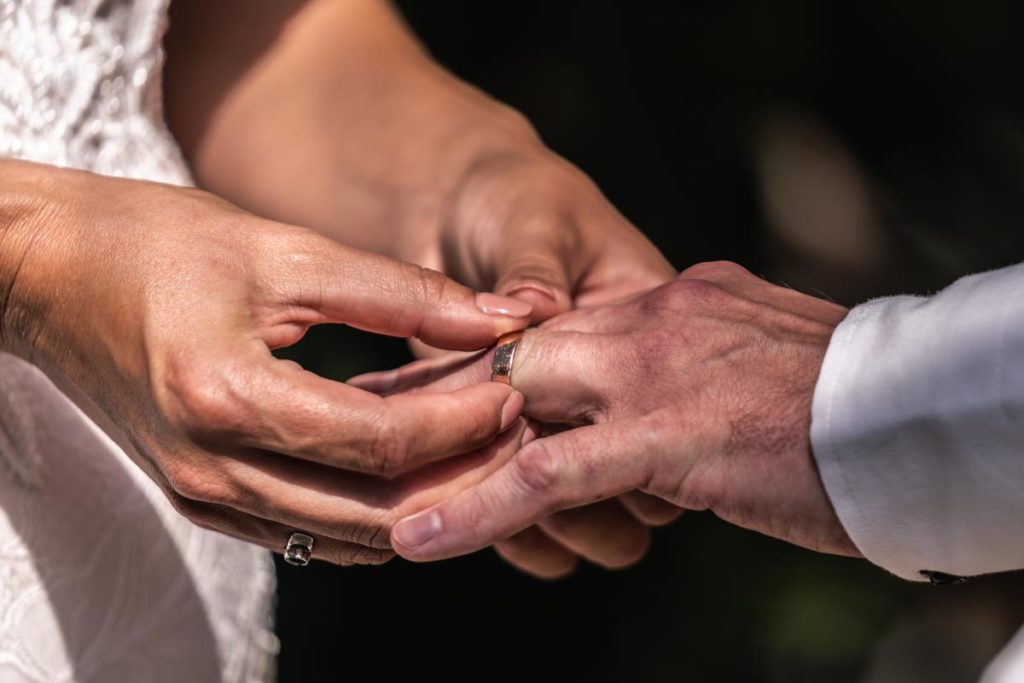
point(44, 260)
point(24, 212)
point(346, 125)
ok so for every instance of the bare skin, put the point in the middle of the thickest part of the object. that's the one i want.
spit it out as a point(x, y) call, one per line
point(697, 393)
point(329, 114)
point(156, 308)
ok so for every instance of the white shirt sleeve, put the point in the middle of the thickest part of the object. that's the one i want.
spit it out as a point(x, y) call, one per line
point(918, 427)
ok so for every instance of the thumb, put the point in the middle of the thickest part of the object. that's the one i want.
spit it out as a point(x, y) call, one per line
point(555, 473)
point(535, 266)
point(381, 295)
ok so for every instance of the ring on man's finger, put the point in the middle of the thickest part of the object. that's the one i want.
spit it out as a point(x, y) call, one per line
point(504, 356)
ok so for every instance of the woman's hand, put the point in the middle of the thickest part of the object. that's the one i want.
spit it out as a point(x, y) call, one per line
point(157, 308)
point(698, 393)
point(343, 123)
point(527, 224)
point(375, 145)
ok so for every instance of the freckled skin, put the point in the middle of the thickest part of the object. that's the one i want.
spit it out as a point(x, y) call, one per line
point(705, 404)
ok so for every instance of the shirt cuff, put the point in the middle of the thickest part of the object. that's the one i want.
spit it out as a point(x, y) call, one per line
point(917, 426)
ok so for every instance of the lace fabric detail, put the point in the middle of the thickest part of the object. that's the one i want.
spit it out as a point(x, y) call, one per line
point(100, 579)
point(80, 87)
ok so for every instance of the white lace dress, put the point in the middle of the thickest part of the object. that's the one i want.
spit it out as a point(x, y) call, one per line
point(100, 580)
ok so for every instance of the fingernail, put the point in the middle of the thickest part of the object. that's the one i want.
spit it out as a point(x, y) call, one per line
point(415, 531)
point(534, 287)
point(495, 304)
point(511, 409)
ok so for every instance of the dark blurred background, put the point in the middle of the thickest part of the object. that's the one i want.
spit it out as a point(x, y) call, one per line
point(846, 149)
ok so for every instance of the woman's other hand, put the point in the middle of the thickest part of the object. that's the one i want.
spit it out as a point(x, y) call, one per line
point(339, 120)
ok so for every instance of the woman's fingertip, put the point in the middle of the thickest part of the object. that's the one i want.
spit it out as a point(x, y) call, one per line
point(532, 290)
point(511, 409)
point(495, 304)
point(546, 301)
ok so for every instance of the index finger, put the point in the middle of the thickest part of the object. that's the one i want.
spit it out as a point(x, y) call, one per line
point(288, 410)
point(381, 295)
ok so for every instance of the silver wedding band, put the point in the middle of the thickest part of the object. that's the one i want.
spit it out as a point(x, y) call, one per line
point(299, 549)
point(504, 356)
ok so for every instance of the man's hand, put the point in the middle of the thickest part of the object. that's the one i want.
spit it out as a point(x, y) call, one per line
point(698, 393)
point(157, 309)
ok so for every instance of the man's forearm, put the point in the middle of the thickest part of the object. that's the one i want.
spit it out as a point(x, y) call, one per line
point(342, 123)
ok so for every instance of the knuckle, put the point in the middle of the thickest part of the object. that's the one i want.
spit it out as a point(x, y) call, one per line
point(473, 514)
point(684, 297)
point(372, 535)
point(370, 526)
point(185, 484)
point(516, 122)
point(202, 515)
point(693, 291)
point(538, 468)
point(648, 349)
point(389, 449)
point(433, 287)
point(204, 486)
point(715, 270)
point(479, 424)
point(290, 249)
point(208, 404)
point(187, 507)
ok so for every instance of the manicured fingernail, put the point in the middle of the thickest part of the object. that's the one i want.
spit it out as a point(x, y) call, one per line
point(533, 288)
point(413, 532)
point(511, 410)
point(495, 304)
